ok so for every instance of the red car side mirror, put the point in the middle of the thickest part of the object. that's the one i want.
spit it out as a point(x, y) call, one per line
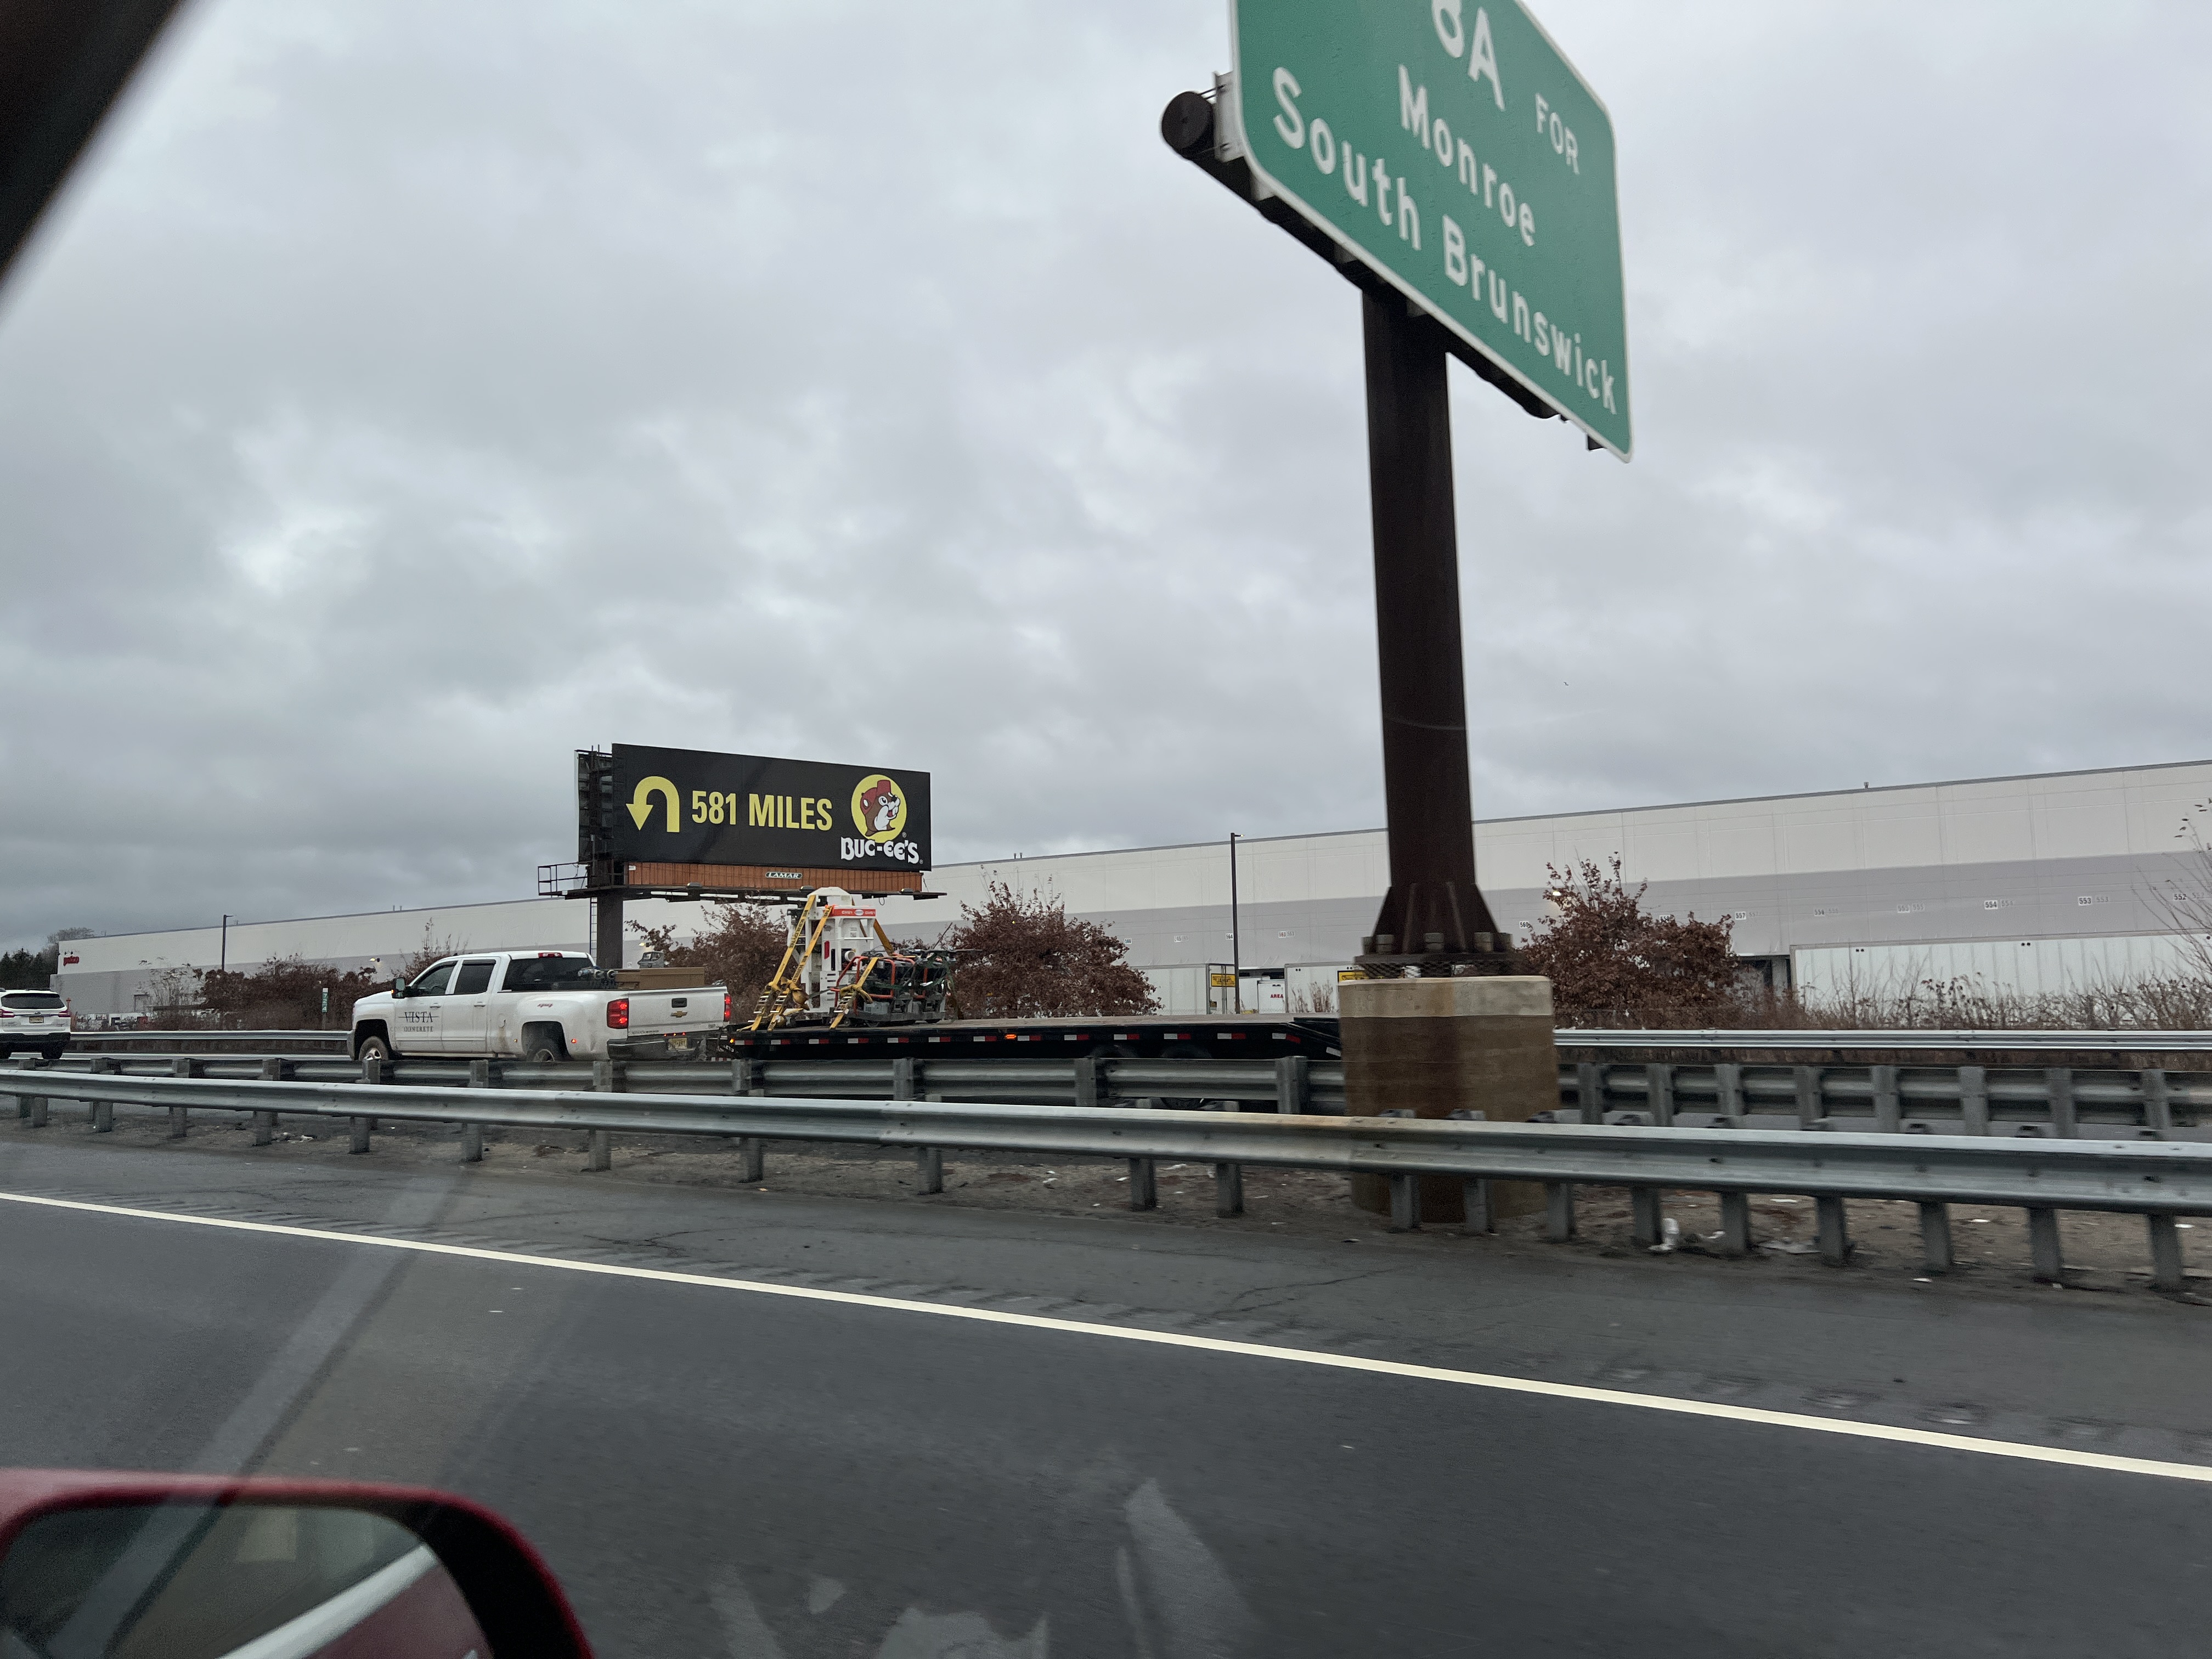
point(106, 1565)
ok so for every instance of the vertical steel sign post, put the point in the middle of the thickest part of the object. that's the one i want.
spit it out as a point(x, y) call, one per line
point(1235, 934)
point(1433, 913)
point(1447, 158)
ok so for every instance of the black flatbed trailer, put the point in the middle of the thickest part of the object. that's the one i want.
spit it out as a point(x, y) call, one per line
point(1138, 1037)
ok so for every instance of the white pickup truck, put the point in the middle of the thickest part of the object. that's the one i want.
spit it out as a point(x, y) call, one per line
point(537, 1006)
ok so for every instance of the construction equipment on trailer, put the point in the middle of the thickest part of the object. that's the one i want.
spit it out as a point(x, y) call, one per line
point(840, 967)
point(843, 984)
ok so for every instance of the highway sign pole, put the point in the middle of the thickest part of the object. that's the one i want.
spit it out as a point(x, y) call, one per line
point(1433, 913)
point(1448, 161)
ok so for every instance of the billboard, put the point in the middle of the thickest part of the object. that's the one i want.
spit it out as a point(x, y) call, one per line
point(691, 806)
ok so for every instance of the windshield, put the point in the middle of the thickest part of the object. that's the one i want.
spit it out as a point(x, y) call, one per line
point(30, 1000)
point(555, 974)
point(1350, 1152)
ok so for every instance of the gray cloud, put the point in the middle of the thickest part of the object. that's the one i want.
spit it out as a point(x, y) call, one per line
point(405, 397)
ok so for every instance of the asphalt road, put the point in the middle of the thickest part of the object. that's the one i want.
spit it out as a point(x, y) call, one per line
point(716, 1470)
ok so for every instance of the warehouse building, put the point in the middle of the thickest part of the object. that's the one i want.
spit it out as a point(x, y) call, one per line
point(2034, 883)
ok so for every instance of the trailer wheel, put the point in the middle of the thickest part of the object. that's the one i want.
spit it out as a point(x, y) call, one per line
point(544, 1045)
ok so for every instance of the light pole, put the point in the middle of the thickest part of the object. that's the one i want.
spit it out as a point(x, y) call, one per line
point(223, 958)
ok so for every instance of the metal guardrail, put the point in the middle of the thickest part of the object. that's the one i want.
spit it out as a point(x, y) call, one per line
point(2058, 1102)
point(336, 1042)
point(2158, 1181)
point(1976, 1042)
point(1676, 1041)
point(2055, 1101)
point(1292, 1084)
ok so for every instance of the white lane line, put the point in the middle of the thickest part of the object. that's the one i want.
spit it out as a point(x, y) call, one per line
point(1652, 1402)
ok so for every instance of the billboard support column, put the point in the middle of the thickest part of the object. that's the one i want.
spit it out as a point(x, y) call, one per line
point(607, 930)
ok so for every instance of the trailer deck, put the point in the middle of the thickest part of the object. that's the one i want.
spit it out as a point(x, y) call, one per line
point(1132, 1037)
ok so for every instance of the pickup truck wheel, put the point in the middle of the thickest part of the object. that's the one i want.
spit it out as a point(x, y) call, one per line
point(379, 1047)
point(544, 1045)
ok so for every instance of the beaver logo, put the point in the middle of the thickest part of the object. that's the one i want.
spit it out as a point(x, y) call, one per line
point(879, 808)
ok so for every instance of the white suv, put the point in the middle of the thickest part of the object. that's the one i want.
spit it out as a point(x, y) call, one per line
point(33, 1019)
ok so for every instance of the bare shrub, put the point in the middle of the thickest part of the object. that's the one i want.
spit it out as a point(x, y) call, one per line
point(173, 993)
point(1026, 957)
point(1613, 963)
point(2175, 1002)
point(284, 994)
point(2171, 1003)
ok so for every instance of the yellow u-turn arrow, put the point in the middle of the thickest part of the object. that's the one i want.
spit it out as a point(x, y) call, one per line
point(640, 804)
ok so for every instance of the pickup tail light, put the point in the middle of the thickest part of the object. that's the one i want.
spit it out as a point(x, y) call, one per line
point(618, 1014)
point(725, 1008)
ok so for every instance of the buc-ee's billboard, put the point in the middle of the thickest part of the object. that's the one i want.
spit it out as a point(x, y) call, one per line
point(691, 806)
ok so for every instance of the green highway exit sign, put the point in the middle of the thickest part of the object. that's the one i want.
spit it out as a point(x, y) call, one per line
point(1453, 149)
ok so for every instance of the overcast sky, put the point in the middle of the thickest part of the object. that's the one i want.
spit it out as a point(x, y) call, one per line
point(406, 394)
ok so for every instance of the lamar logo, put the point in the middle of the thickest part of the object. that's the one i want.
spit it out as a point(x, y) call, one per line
point(879, 808)
point(879, 814)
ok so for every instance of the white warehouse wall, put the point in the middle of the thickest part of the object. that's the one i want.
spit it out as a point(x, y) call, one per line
point(2047, 857)
point(2031, 966)
point(110, 972)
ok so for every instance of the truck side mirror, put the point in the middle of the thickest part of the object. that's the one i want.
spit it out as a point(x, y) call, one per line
point(399, 988)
